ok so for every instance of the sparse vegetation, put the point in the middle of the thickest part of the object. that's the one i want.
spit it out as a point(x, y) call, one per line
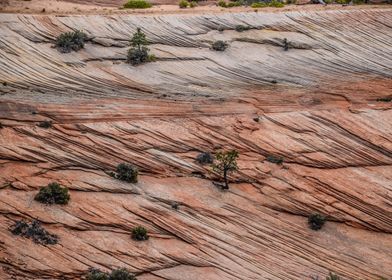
point(275, 159)
point(126, 172)
point(193, 4)
point(316, 221)
point(34, 231)
point(384, 99)
point(332, 276)
point(137, 4)
point(262, 4)
point(205, 158)
point(241, 28)
point(45, 124)
point(71, 41)
point(219, 46)
point(183, 4)
point(53, 194)
point(285, 44)
point(138, 54)
point(224, 4)
point(139, 233)
point(226, 163)
point(116, 274)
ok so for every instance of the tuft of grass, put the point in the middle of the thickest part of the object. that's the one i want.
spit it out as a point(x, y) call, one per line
point(137, 4)
point(139, 233)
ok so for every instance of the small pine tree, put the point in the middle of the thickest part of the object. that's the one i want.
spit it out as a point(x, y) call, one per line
point(138, 54)
point(226, 163)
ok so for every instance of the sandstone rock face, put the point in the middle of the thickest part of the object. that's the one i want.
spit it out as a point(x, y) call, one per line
point(317, 105)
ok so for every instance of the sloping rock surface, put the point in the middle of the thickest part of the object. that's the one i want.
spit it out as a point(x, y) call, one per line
point(322, 106)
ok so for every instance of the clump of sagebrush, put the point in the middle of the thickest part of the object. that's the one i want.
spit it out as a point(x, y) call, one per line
point(241, 28)
point(275, 159)
point(139, 233)
point(226, 162)
point(71, 41)
point(126, 172)
point(219, 45)
point(183, 4)
point(45, 124)
point(224, 4)
point(193, 4)
point(205, 158)
point(332, 276)
point(34, 231)
point(316, 221)
point(139, 53)
point(53, 194)
point(116, 274)
point(137, 4)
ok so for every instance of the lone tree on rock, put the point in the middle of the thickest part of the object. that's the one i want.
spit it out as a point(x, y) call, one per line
point(226, 163)
point(138, 54)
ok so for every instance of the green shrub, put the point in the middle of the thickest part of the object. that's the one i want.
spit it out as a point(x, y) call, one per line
point(384, 99)
point(183, 4)
point(275, 159)
point(96, 274)
point(276, 4)
point(219, 46)
point(137, 4)
point(35, 232)
point(259, 5)
point(116, 274)
point(45, 124)
point(234, 4)
point(139, 233)
point(222, 3)
point(127, 172)
point(71, 41)
point(193, 4)
point(53, 194)
point(332, 276)
point(205, 158)
point(121, 274)
point(139, 53)
point(316, 221)
point(241, 28)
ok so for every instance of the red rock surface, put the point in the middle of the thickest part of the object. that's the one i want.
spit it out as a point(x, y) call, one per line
point(322, 116)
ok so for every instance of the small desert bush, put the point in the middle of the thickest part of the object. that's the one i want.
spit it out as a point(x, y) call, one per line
point(71, 41)
point(332, 276)
point(384, 99)
point(259, 5)
point(241, 28)
point(53, 194)
point(193, 4)
point(116, 274)
point(276, 4)
point(137, 4)
point(45, 124)
point(183, 4)
point(139, 233)
point(127, 172)
point(34, 231)
point(316, 221)
point(224, 4)
point(205, 158)
point(219, 46)
point(275, 159)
